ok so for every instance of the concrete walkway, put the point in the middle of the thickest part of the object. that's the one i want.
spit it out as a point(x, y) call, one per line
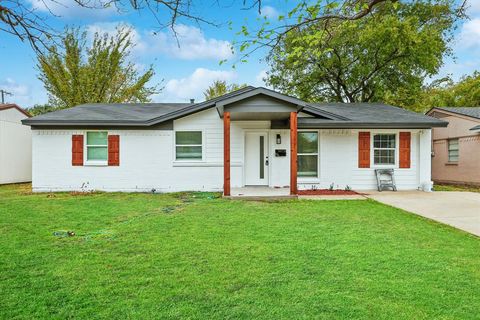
point(458, 209)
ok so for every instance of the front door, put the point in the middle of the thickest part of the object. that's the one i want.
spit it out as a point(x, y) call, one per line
point(256, 159)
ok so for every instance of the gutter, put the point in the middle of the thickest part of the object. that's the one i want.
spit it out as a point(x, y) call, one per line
point(87, 123)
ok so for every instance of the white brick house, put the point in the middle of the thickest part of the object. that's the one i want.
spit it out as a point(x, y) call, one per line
point(237, 140)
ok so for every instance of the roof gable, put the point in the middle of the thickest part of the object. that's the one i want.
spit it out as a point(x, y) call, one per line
point(472, 112)
point(260, 91)
point(14, 106)
point(299, 105)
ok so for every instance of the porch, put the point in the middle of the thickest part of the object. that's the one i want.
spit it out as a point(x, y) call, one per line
point(268, 154)
point(265, 154)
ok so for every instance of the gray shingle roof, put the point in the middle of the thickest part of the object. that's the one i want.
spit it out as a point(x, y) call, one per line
point(327, 115)
point(110, 112)
point(372, 115)
point(124, 114)
point(467, 111)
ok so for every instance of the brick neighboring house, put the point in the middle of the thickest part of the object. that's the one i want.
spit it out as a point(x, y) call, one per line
point(456, 148)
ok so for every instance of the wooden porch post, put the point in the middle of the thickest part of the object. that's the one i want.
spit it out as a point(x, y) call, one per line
point(293, 153)
point(226, 153)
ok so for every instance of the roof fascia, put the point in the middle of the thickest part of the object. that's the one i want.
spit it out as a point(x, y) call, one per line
point(89, 123)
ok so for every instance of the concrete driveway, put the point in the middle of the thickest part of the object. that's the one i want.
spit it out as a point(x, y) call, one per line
point(458, 209)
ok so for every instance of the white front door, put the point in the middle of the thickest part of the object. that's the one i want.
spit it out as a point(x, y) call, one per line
point(256, 159)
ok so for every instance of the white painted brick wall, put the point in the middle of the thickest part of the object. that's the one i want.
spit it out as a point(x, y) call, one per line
point(147, 160)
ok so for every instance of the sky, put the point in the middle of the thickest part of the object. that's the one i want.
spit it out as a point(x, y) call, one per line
point(186, 67)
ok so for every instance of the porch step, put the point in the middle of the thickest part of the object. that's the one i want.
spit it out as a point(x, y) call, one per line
point(262, 198)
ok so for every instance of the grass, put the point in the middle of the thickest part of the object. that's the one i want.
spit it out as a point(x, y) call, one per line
point(450, 187)
point(196, 256)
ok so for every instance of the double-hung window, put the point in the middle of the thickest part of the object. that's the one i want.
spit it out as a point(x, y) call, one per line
point(307, 154)
point(453, 150)
point(384, 149)
point(97, 147)
point(188, 145)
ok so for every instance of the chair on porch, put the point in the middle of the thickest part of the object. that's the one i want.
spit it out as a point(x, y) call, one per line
point(385, 179)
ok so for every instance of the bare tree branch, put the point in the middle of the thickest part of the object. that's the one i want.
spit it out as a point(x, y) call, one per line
point(19, 18)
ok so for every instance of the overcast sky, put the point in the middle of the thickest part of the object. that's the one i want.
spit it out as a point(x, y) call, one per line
point(186, 70)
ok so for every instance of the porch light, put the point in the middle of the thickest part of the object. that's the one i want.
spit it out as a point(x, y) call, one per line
point(279, 138)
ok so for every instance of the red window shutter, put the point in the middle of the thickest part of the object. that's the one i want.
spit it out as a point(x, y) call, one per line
point(114, 150)
point(77, 150)
point(405, 142)
point(364, 149)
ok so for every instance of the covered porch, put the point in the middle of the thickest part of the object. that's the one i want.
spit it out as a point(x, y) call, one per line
point(260, 144)
point(264, 153)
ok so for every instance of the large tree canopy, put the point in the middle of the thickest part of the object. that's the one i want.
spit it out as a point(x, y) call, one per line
point(96, 73)
point(391, 50)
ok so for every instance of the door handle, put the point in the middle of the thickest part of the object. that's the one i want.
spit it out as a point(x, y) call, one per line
point(266, 161)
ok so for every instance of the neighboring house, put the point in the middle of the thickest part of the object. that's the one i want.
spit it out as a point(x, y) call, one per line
point(245, 138)
point(456, 148)
point(15, 145)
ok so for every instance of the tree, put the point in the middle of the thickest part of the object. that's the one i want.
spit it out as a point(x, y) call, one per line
point(446, 93)
point(391, 50)
point(219, 88)
point(40, 109)
point(466, 93)
point(19, 18)
point(99, 73)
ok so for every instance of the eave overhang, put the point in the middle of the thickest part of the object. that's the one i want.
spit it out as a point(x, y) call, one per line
point(476, 128)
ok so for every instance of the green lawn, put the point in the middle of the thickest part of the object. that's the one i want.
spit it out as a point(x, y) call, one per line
point(200, 257)
point(450, 187)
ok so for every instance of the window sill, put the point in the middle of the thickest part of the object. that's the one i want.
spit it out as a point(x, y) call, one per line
point(96, 164)
point(451, 163)
point(385, 166)
point(308, 180)
point(183, 163)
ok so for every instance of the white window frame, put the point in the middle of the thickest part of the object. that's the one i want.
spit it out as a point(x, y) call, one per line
point(448, 150)
point(85, 153)
point(313, 178)
point(188, 145)
point(372, 146)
